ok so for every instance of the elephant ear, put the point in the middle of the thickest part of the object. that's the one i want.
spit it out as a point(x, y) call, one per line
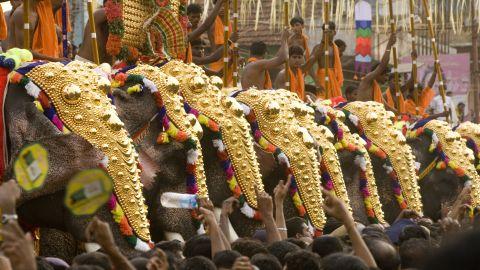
point(374, 123)
point(275, 121)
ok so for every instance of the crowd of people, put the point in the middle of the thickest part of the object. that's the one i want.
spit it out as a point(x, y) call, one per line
point(410, 242)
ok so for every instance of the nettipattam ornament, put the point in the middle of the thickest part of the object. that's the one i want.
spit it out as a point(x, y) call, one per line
point(471, 132)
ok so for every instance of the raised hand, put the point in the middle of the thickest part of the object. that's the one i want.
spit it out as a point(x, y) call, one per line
point(264, 202)
point(207, 216)
point(281, 190)
point(9, 193)
point(229, 205)
point(335, 207)
point(99, 232)
point(242, 263)
point(18, 247)
point(392, 40)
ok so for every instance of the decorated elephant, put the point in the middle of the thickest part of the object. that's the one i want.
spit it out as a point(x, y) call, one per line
point(60, 108)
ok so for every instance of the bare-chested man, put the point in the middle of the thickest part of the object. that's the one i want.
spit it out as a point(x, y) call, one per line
point(298, 37)
point(255, 73)
point(43, 31)
point(369, 88)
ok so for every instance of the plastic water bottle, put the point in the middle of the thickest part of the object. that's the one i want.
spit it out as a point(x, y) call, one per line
point(179, 200)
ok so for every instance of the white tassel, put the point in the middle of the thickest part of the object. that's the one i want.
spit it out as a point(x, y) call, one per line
point(388, 169)
point(192, 156)
point(141, 246)
point(246, 109)
point(283, 159)
point(201, 230)
point(150, 85)
point(32, 89)
point(354, 119)
point(247, 210)
point(361, 162)
point(218, 144)
point(434, 139)
point(417, 165)
point(104, 161)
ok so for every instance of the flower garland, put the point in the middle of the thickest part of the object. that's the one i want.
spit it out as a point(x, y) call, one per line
point(329, 119)
point(472, 145)
point(43, 104)
point(116, 29)
point(282, 159)
point(437, 148)
point(225, 161)
point(375, 150)
point(169, 130)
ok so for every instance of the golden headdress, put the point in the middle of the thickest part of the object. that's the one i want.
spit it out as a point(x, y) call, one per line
point(91, 115)
point(282, 130)
point(378, 127)
point(202, 94)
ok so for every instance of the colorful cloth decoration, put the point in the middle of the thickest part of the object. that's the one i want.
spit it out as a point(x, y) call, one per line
point(363, 47)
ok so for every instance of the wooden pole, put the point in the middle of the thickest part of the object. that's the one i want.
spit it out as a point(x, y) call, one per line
point(414, 57)
point(235, 45)
point(93, 32)
point(326, 31)
point(26, 24)
point(286, 24)
point(435, 57)
point(474, 91)
point(226, 37)
point(393, 28)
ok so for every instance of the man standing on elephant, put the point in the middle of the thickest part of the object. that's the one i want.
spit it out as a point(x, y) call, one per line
point(44, 43)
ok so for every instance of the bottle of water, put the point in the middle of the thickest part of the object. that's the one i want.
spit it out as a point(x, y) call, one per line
point(179, 200)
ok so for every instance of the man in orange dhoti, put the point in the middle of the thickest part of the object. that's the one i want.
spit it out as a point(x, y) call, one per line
point(255, 73)
point(297, 71)
point(44, 43)
point(298, 38)
point(215, 36)
point(335, 71)
point(424, 98)
point(369, 88)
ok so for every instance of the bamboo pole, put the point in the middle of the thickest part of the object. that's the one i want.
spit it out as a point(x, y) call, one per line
point(287, 62)
point(93, 32)
point(414, 57)
point(226, 37)
point(64, 29)
point(326, 31)
point(474, 64)
point(393, 28)
point(26, 24)
point(435, 57)
point(235, 45)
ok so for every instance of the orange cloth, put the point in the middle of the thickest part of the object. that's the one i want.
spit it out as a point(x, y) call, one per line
point(189, 56)
point(297, 83)
point(305, 47)
point(45, 35)
point(3, 25)
point(424, 100)
point(268, 82)
point(392, 104)
point(335, 76)
point(377, 92)
point(218, 32)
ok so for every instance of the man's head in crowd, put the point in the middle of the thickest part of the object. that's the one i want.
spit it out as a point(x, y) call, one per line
point(280, 249)
point(343, 261)
point(194, 13)
point(199, 245)
point(249, 247)
point(302, 259)
point(341, 45)
point(197, 263)
point(297, 24)
point(385, 254)
point(266, 262)
point(332, 30)
point(351, 93)
point(93, 258)
point(326, 245)
point(414, 252)
point(297, 228)
point(258, 49)
point(225, 259)
point(198, 48)
point(296, 58)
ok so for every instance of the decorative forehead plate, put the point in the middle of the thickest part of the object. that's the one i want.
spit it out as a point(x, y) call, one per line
point(168, 87)
point(470, 130)
point(91, 115)
point(200, 93)
point(380, 130)
point(322, 136)
point(354, 139)
point(457, 152)
point(281, 129)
